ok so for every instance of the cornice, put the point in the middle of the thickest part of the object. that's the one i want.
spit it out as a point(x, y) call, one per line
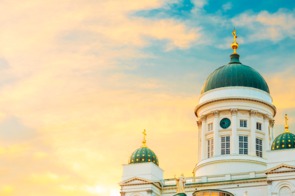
point(235, 99)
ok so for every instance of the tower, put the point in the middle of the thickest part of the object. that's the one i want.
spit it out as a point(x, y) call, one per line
point(235, 119)
point(142, 175)
point(236, 151)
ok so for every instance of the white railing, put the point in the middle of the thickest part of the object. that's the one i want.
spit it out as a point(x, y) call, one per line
point(216, 178)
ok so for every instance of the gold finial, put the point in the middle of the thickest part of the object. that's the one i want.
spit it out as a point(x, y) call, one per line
point(144, 138)
point(235, 44)
point(286, 123)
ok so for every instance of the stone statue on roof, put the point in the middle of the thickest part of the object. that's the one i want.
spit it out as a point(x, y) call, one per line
point(180, 184)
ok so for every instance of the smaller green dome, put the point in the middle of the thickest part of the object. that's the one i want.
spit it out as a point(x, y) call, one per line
point(180, 194)
point(143, 155)
point(283, 141)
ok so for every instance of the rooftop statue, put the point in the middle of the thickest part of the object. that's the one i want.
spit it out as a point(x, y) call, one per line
point(180, 184)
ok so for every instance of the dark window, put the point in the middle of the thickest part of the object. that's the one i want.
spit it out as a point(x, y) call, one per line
point(225, 145)
point(243, 123)
point(258, 126)
point(243, 144)
point(258, 147)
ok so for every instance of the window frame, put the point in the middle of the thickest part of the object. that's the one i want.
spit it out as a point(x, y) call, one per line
point(243, 144)
point(225, 149)
point(243, 123)
point(259, 126)
point(210, 147)
point(259, 147)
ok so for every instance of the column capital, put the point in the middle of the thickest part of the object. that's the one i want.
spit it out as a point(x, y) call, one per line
point(266, 117)
point(203, 117)
point(234, 111)
point(271, 122)
point(215, 113)
point(199, 122)
point(253, 112)
point(122, 193)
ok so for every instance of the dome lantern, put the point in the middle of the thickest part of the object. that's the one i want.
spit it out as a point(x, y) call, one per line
point(235, 74)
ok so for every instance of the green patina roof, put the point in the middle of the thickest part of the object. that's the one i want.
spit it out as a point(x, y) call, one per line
point(143, 155)
point(180, 194)
point(283, 141)
point(235, 74)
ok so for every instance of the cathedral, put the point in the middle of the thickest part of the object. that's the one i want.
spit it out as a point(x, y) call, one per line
point(238, 153)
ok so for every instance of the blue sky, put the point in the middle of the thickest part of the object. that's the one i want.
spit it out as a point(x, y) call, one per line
point(216, 19)
point(81, 80)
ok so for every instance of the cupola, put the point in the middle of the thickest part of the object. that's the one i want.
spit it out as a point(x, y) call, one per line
point(143, 154)
point(285, 140)
point(235, 74)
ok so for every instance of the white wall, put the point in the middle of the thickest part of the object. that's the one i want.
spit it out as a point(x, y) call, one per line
point(149, 171)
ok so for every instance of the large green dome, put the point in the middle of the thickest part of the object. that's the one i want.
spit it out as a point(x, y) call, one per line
point(283, 141)
point(235, 74)
point(143, 155)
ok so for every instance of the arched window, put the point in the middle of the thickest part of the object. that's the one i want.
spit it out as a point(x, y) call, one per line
point(285, 191)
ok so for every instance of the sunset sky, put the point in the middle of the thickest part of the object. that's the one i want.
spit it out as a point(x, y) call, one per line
point(81, 79)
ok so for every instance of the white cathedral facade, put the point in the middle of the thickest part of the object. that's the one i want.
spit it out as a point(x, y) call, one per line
point(237, 151)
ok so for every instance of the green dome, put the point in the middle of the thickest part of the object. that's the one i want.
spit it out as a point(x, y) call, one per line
point(283, 141)
point(143, 155)
point(180, 194)
point(235, 74)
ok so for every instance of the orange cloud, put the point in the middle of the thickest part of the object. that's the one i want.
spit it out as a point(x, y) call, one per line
point(57, 54)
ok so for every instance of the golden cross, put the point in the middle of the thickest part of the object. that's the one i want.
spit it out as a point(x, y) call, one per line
point(286, 123)
point(235, 44)
point(235, 35)
point(144, 138)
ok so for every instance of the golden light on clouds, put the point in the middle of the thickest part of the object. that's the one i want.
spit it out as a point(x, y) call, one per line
point(69, 118)
point(72, 105)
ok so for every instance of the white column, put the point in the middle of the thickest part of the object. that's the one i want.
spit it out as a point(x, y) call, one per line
point(203, 138)
point(216, 142)
point(265, 128)
point(235, 138)
point(252, 147)
point(272, 123)
point(199, 123)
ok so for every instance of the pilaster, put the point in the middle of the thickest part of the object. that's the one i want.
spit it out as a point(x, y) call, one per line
point(271, 125)
point(252, 147)
point(216, 143)
point(235, 139)
point(266, 130)
point(203, 138)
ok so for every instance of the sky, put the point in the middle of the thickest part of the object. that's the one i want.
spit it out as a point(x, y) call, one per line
point(81, 79)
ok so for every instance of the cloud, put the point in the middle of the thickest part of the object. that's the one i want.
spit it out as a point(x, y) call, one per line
point(69, 94)
point(227, 6)
point(283, 98)
point(267, 26)
point(67, 102)
point(199, 3)
point(14, 130)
